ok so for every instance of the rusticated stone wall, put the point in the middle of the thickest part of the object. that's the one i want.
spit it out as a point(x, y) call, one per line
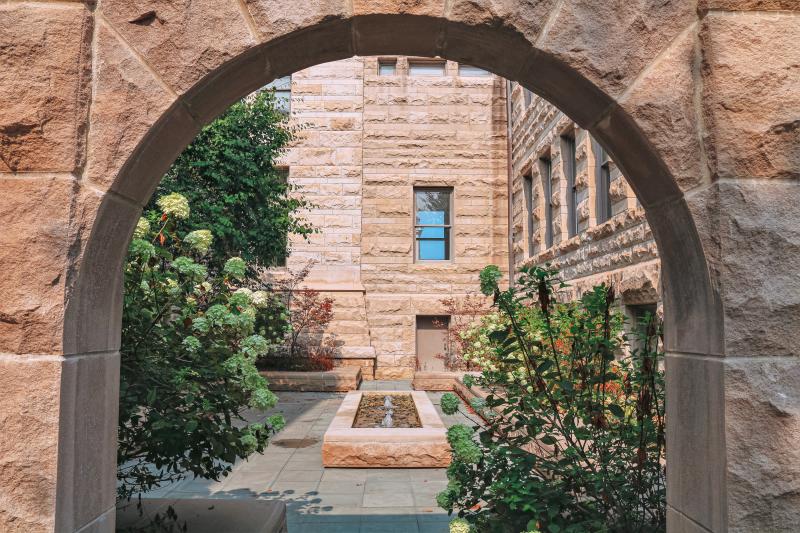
point(697, 101)
point(365, 141)
point(620, 251)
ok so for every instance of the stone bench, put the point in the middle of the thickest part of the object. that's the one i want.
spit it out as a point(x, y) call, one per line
point(340, 379)
point(208, 515)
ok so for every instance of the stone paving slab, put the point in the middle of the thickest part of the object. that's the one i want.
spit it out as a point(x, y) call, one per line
point(322, 499)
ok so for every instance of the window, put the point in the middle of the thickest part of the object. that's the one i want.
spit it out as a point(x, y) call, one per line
point(426, 68)
point(433, 223)
point(527, 188)
point(568, 158)
point(640, 317)
point(603, 188)
point(283, 175)
point(546, 169)
point(528, 96)
point(468, 71)
point(387, 67)
point(283, 93)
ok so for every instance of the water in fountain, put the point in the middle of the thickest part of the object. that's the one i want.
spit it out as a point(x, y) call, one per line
point(387, 421)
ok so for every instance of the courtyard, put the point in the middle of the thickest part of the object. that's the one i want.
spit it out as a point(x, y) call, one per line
point(322, 499)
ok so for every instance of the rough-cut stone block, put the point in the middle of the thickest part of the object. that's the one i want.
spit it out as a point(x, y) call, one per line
point(275, 18)
point(341, 379)
point(424, 447)
point(436, 381)
point(749, 5)
point(183, 40)
point(753, 248)
point(35, 254)
point(611, 42)
point(751, 94)
point(29, 416)
point(44, 86)
point(128, 100)
point(394, 372)
point(762, 415)
point(662, 104)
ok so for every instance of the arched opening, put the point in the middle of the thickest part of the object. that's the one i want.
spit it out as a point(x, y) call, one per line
point(93, 315)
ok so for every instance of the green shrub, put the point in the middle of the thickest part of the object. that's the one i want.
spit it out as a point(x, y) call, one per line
point(576, 439)
point(190, 339)
point(450, 403)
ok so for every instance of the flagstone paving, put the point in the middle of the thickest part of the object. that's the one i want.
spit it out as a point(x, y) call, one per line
point(331, 500)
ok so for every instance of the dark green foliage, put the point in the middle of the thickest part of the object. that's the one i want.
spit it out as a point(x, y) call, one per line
point(228, 174)
point(575, 441)
point(450, 403)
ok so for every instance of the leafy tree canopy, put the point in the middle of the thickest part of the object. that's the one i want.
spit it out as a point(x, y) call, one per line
point(230, 178)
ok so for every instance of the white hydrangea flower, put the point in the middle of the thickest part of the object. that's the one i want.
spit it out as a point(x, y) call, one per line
point(244, 290)
point(260, 299)
point(142, 229)
point(174, 204)
point(199, 240)
point(459, 525)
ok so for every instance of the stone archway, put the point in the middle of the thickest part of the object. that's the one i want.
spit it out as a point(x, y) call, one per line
point(696, 108)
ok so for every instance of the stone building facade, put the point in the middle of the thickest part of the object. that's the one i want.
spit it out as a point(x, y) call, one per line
point(573, 208)
point(378, 137)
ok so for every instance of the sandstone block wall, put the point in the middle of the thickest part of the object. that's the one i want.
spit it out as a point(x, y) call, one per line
point(366, 141)
point(621, 250)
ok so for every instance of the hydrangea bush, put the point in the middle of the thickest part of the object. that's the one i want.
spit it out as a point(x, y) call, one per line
point(574, 421)
point(190, 340)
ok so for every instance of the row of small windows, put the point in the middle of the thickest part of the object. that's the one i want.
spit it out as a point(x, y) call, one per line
point(430, 68)
point(602, 186)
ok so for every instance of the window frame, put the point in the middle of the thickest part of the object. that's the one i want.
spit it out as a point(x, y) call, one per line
point(527, 191)
point(569, 163)
point(546, 171)
point(438, 62)
point(276, 86)
point(385, 63)
point(527, 96)
point(602, 184)
point(448, 239)
point(472, 71)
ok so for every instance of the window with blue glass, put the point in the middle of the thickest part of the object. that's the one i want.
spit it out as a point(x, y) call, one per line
point(283, 93)
point(433, 223)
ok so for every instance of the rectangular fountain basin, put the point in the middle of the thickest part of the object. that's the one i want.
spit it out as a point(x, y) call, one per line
point(375, 447)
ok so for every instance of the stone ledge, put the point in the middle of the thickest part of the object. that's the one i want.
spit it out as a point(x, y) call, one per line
point(340, 379)
point(438, 380)
point(209, 516)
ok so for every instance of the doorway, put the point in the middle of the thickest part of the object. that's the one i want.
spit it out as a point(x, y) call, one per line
point(432, 342)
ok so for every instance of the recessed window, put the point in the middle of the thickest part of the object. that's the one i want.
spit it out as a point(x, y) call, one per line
point(283, 176)
point(569, 164)
point(546, 170)
point(528, 96)
point(603, 185)
point(433, 223)
point(387, 67)
point(468, 71)
point(426, 68)
point(283, 93)
point(527, 189)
